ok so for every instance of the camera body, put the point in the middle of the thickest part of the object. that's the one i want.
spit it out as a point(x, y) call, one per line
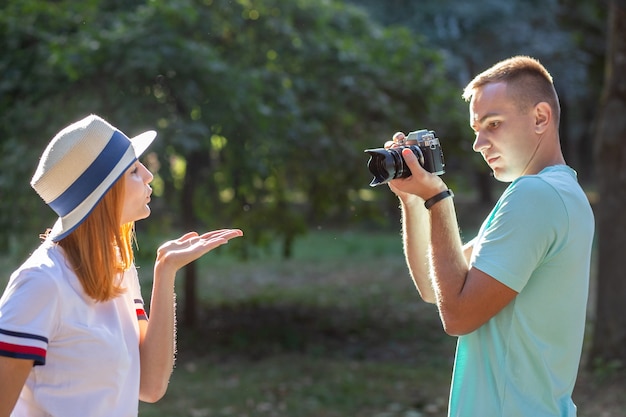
point(388, 164)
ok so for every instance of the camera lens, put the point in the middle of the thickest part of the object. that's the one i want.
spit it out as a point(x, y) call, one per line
point(388, 164)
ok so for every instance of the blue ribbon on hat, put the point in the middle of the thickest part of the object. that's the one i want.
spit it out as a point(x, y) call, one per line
point(93, 176)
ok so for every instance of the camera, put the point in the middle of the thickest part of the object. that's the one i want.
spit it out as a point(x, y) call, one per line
point(388, 164)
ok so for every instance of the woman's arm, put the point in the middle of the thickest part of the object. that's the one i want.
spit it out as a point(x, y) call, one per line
point(157, 335)
point(13, 374)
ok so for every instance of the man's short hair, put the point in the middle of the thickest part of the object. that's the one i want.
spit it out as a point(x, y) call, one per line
point(527, 81)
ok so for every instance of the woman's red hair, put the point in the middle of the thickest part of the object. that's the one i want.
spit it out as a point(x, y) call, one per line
point(99, 249)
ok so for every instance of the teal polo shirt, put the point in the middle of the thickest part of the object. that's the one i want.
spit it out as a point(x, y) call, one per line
point(524, 361)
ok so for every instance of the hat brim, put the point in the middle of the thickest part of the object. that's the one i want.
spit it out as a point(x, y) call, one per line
point(142, 142)
point(65, 225)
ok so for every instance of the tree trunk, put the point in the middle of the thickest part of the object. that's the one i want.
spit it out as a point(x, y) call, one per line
point(195, 162)
point(609, 338)
point(190, 312)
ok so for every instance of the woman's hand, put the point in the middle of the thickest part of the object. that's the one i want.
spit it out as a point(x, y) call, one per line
point(175, 254)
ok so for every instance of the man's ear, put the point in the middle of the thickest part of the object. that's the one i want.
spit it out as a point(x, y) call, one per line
point(543, 117)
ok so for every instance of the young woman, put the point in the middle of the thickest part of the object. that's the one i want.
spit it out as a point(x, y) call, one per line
point(75, 339)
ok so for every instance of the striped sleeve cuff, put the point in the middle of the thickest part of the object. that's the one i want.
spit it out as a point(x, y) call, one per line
point(139, 308)
point(21, 345)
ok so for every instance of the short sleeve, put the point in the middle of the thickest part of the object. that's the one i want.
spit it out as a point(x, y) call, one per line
point(526, 225)
point(132, 280)
point(28, 315)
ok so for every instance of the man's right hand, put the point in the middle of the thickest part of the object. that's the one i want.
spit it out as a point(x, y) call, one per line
point(421, 184)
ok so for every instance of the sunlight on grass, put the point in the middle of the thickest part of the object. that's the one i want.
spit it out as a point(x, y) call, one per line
point(337, 330)
point(295, 386)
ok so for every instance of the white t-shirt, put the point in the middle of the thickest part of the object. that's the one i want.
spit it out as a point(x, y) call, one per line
point(86, 353)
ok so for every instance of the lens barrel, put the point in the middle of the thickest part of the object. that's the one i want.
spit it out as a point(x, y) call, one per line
point(388, 164)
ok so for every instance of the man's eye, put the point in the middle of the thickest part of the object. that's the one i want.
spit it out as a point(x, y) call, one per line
point(494, 124)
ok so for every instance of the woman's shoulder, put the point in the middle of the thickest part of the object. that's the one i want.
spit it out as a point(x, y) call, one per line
point(48, 256)
point(46, 268)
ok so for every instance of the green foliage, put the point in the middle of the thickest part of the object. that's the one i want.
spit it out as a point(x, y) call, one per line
point(335, 331)
point(263, 108)
point(568, 36)
point(269, 104)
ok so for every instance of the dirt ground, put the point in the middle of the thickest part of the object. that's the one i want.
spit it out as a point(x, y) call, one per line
point(598, 395)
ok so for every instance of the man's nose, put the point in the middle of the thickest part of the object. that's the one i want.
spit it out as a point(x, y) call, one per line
point(480, 142)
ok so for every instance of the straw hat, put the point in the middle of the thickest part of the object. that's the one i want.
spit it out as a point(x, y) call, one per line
point(80, 165)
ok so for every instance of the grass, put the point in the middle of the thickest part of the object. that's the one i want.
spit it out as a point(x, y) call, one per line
point(336, 331)
point(293, 385)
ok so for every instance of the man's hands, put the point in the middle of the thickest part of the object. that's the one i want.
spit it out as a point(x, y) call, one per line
point(421, 183)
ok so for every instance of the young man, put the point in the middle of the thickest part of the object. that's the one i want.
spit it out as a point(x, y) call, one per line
point(516, 294)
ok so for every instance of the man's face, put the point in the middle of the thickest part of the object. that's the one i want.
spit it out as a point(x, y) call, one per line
point(504, 133)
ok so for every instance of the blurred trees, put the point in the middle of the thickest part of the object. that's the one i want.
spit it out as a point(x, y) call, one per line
point(609, 338)
point(263, 108)
point(567, 36)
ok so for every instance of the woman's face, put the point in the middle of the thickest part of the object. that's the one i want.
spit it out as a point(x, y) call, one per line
point(137, 193)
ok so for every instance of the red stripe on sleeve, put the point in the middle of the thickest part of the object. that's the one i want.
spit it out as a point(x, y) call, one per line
point(141, 314)
point(22, 350)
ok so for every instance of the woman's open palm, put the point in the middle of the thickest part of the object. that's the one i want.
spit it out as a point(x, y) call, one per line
point(191, 246)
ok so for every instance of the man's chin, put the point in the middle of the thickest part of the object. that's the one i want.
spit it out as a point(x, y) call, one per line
point(503, 176)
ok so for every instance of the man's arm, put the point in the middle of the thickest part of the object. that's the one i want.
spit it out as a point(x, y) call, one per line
point(416, 241)
point(415, 234)
point(467, 297)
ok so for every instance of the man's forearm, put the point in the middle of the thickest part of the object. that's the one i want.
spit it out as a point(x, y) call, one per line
point(416, 240)
point(449, 266)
